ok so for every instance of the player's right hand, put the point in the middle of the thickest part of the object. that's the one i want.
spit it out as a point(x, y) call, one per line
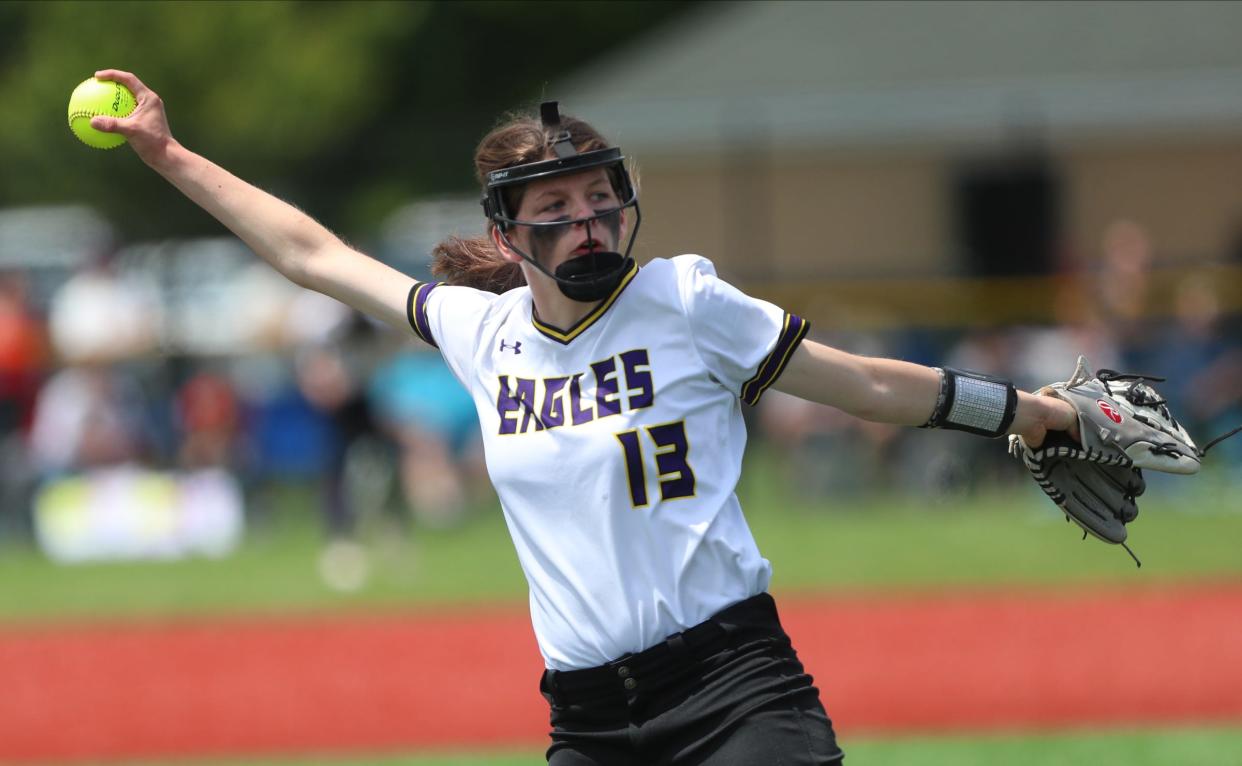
point(146, 128)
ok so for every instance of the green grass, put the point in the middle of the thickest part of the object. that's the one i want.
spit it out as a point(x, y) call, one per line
point(1188, 531)
point(1002, 538)
point(991, 541)
point(1145, 747)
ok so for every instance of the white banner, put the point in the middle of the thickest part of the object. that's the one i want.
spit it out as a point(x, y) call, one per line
point(131, 513)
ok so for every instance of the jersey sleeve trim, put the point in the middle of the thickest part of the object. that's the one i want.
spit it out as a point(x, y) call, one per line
point(416, 311)
point(792, 333)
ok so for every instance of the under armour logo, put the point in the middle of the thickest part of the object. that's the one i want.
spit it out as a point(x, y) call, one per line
point(515, 346)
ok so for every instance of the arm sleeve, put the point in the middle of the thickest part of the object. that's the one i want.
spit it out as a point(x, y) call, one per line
point(744, 342)
point(450, 319)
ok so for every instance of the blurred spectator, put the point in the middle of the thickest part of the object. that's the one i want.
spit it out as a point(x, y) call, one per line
point(1123, 290)
point(103, 494)
point(208, 418)
point(823, 452)
point(1203, 363)
point(23, 354)
point(287, 439)
point(1218, 386)
point(23, 359)
point(88, 416)
point(331, 388)
point(431, 417)
point(92, 412)
point(1049, 352)
point(330, 385)
point(96, 316)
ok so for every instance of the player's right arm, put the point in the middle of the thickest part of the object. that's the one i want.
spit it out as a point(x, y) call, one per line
point(295, 244)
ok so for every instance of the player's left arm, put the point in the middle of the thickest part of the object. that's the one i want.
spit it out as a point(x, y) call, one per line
point(897, 392)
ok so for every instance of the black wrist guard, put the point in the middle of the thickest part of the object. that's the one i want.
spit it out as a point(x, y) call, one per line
point(975, 403)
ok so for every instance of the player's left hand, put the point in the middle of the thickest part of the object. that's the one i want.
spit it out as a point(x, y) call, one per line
point(1059, 417)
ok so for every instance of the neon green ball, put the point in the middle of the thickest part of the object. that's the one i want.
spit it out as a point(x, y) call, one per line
point(94, 98)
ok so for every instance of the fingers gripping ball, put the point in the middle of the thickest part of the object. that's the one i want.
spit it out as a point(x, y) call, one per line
point(95, 98)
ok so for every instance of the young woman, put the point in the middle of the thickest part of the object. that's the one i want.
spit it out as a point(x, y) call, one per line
point(610, 401)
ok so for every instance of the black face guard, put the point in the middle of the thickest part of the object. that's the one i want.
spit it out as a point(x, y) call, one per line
point(587, 278)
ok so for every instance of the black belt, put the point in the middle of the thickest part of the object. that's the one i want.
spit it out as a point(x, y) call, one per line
point(672, 658)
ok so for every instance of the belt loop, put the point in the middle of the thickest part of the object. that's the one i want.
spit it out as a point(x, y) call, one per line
point(677, 644)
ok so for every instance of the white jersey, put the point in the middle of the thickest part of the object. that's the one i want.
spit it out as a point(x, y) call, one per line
point(615, 446)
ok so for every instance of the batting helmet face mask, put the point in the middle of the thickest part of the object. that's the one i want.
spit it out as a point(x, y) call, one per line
point(595, 275)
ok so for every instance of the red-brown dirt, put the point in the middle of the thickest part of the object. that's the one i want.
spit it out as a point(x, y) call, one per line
point(468, 678)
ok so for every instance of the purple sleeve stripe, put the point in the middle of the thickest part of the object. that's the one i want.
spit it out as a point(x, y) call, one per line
point(773, 365)
point(416, 310)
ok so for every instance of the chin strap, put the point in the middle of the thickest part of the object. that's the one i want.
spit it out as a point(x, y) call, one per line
point(593, 277)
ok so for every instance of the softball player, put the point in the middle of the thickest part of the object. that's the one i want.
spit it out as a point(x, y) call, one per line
point(610, 400)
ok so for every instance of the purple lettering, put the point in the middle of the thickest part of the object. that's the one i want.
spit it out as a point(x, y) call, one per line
point(577, 414)
point(553, 412)
point(607, 389)
point(505, 404)
point(526, 398)
point(638, 383)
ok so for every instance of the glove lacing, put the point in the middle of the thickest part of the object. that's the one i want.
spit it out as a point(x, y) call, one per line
point(1142, 396)
point(1218, 440)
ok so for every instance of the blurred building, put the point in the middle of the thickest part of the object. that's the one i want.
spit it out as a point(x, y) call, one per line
point(916, 140)
point(47, 244)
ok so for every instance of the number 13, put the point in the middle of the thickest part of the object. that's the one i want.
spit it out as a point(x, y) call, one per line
point(674, 472)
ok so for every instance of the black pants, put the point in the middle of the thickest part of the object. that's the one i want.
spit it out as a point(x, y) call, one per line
point(728, 692)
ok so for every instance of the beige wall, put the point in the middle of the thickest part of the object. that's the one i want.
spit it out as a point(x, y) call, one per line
point(777, 216)
point(1187, 194)
point(869, 213)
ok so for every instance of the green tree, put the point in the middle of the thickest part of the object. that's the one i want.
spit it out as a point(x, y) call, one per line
point(343, 108)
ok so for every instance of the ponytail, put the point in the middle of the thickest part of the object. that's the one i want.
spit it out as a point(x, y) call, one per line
point(475, 262)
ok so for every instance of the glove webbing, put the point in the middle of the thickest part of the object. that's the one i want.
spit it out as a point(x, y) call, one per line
point(1040, 475)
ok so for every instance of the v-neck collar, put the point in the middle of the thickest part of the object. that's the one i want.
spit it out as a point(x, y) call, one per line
point(582, 325)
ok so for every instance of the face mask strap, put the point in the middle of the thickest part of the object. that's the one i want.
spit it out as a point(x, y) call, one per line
point(562, 143)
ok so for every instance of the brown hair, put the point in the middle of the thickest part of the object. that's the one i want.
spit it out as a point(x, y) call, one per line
point(519, 139)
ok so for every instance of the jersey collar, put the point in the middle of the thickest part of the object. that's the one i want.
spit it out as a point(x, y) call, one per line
point(582, 325)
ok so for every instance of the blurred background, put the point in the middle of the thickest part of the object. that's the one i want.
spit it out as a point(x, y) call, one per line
point(995, 186)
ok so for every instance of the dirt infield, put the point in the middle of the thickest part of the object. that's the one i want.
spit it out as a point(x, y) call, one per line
point(393, 682)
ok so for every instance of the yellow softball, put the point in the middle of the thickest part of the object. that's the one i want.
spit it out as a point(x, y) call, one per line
point(95, 98)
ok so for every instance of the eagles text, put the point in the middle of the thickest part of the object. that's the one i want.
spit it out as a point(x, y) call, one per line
point(621, 383)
